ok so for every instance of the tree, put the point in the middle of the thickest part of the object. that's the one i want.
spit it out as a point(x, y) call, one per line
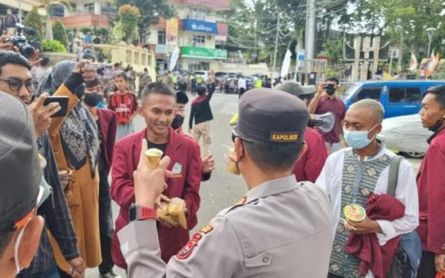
point(46, 5)
point(59, 33)
point(153, 10)
point(34, 20)
point(127, 27)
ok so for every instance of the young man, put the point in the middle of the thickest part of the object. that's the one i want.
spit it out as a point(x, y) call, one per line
point(158, 109)
point(208, 162)
point(20, 193)
point(280, 228)
point(201, 115)
point(431, 185)
point(351, 175)
point(123, 102)
point(106, 124)
point(325, 101)
point(314, 154)
point(15, 76)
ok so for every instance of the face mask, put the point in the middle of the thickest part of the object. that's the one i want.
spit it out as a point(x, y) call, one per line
point(177, 121)
point(18, 267)
point(92, 99)
point(330, 89)
point(357, 139)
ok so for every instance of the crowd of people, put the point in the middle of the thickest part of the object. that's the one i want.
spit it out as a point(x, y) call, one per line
point(55, 196)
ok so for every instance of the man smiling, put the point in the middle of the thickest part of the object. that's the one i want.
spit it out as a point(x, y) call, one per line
point(158, 109)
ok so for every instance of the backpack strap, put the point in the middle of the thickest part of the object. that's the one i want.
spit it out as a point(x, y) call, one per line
point(393, 174)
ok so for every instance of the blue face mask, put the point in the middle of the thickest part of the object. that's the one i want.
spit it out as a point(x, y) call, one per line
point(357, 139)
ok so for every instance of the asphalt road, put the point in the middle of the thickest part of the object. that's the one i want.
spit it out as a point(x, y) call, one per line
point(223, 189)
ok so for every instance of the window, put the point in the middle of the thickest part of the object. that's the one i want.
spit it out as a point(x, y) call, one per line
point(405, 95)
point(89, 8)
point(57, 10)
point(161, 36)
point(199, 40)
point(369, 93)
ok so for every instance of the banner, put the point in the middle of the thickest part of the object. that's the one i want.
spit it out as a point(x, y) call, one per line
point(202, 26)
point(173, 59)
point(172, 26)
point(286, 64)
point(203, 53)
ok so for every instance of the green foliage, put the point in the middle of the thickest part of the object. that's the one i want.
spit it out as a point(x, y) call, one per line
point(85, 30)
point(53, 46)
point(59, 33)
point(334, 49)
point(34, 20)
point(126, 28)
point(152, 10)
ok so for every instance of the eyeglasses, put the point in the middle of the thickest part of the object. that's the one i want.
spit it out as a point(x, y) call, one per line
point(16, 84)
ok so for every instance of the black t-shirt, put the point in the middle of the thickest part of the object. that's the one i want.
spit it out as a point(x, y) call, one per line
point(162, 147)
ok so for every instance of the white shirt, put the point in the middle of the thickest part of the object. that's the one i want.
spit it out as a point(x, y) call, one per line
point(330, 180)
point(242, 83)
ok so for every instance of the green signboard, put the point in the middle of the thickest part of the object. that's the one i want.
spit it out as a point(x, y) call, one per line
point(203, 53)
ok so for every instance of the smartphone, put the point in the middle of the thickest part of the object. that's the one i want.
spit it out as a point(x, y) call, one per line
point(63, 102)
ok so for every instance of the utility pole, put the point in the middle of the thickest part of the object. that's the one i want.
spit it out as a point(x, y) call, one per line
point(276, 44)
point(20, 12)
point(310, 34)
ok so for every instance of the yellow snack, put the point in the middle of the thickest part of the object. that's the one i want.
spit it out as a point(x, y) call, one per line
point(171, 211)
point(154, 157)
point(176, 210)
point(354, 213)
point(231, 165)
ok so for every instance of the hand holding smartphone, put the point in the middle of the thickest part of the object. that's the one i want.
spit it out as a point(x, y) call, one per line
point(63, 103)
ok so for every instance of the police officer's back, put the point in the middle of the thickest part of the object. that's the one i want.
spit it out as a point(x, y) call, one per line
point(280, 228)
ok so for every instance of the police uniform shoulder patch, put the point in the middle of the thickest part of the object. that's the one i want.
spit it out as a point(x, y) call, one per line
point(187, 249)
point(206, 229)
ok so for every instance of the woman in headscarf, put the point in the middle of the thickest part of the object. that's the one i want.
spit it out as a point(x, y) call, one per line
point(75, 142)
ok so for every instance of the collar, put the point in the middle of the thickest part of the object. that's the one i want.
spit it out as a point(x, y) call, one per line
point(437, 133)
point(272, 187)
point(379, 154)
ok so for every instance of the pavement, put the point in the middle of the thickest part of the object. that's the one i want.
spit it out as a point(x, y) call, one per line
point(223, 189)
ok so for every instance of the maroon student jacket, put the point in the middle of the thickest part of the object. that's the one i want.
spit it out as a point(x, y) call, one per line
point(431, 186)
point(182, 150)
point(313, 157)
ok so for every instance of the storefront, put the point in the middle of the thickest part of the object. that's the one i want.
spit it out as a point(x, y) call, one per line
point(200, 58)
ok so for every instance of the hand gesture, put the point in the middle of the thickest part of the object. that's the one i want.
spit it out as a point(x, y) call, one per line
point(208, 164)
point(150, 183)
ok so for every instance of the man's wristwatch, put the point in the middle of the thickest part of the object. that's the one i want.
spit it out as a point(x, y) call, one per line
point(139, 213)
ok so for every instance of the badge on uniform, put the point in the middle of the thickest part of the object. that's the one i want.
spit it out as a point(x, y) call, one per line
point(177, 169)
point(187, 250)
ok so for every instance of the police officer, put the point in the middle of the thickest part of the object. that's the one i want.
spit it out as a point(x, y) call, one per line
point(280, 228)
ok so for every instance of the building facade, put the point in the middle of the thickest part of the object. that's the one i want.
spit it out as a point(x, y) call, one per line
point(198, 33)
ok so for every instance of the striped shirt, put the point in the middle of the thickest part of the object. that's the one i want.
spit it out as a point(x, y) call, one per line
point(124, 105)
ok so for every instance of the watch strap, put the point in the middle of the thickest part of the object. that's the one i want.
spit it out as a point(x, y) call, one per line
point(139, 213)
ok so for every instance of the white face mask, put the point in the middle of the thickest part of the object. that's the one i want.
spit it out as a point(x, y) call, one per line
point(18, 267)
point(358, 139)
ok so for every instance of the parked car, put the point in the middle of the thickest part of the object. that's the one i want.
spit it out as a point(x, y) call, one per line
point(398, 97)
point(405, 134)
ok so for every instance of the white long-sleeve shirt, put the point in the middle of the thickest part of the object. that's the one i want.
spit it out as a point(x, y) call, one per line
point(330, 180)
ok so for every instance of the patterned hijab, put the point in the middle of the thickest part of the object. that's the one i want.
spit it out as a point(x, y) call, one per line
point(79, 133)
